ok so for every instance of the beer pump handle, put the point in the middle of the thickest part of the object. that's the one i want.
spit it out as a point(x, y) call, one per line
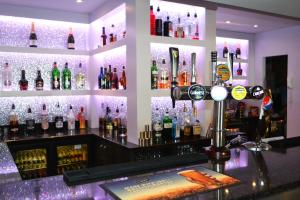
point(214, 55)
point(193, 77)
point(174, 60)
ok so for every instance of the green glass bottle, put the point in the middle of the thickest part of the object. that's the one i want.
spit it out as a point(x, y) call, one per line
point(66, 78)
point(154, 75)
point(167, 126)
point(55, 77)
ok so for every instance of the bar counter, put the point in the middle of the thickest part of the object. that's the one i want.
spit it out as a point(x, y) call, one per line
point(260, 175)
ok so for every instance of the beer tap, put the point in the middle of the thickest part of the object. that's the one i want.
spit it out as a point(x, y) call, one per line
point(174, 59)
point(193, 77)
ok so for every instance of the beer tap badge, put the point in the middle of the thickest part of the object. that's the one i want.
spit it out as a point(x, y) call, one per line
point(218, 93)
point(197, 92)
point(223, 72)
point(239, 92)
point(257, 92)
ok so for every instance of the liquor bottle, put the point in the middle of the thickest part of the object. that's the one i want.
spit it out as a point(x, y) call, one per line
point(23, 83)
point(32, 36)
point(167, 126)
point(168, 28)
point(123, 79)
point(13, 121)
point(239, 70)
point(164, 76)
point(108, 119)
point(179, 33)
point(112, 35)
point(154, 75)
point(81, 118)
point(175, 129)
point(183, 79)
point(44, 118)
point(196, 27)
point(102, 119)
point(158, 23)
point(55, 77)
point(110, 75)
point(157, 125)
point(6, 77)
point(186, 122)
point(71, 40)
point(66, 78)
point(238, 52)
point(80, 78)
point(116, 123)
point(101, 79)
point(225, 50)
point(123, 121)
point(196, 123)
point(188, 27)
point(103, 36)
point(71, 119)
point(115, 80)
point(30, 122)
point(58, 119)
point(39, 82)
point(152, 21)
point(106, 79)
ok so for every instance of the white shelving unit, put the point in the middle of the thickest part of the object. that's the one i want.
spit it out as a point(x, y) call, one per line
point(133, 51)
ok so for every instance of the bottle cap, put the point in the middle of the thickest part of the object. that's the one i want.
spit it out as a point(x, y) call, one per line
point(13, 106)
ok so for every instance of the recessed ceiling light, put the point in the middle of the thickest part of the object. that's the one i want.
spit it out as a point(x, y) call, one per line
point(79, 1)
point(255, 26)
point(228, 22)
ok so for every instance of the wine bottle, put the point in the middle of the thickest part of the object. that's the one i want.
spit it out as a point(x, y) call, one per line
point(115, 80)
point(238, 52)
point(66, 79)
point(71, 119)
point(158, 22)
point(44, 118)
point(6, 77)
point(39, 82)
point(154, 75)
point(55, 77)
point(80, 78)
point(152, 21)
point(123, 79)
point(103, 36)
point(71, 40)
point(100, 78)
point(23, 83)
point(13, 120)
point(239, 71)
point(225, 50)
point(105, 79)
point(32, 37)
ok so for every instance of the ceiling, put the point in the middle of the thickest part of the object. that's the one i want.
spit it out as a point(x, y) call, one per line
point(65, 5)
point(281, 7)
point(244, 21)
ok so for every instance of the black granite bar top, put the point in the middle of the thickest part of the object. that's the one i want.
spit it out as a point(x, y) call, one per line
point(261, 174)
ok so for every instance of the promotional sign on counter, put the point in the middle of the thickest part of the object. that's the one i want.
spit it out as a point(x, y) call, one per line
point(169, 185)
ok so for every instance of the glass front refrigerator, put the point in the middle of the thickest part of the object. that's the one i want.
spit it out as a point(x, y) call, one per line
point(71, 157)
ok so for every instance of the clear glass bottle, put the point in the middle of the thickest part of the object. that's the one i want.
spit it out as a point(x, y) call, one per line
point(175, 128)
point(81, 118)
point(196, 123)
point(44, 118)
point(71, 119)
point(188, 26)
point(58, 119)
point(6, 77)
point(115, 80)
point(123, 79)
point(186, 122)
point(164, 76)
point(123, 121)
point(30, 121)
point(157, 125)
point(196, 34)
point(108, 119)
point(13, 121)
point(179, 33)
point(80, 78)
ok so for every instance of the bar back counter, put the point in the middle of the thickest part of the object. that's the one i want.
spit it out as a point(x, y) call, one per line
point(260, 174)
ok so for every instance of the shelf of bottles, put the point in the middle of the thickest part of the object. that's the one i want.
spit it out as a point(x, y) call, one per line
point(108, 31)
point(176, 20)
point(172, 124)
point(35, 113)
point(72, 157)
point(112, 112)
point(240, 49)
point(160, 68)
point(31, 163)
point(112, 70)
